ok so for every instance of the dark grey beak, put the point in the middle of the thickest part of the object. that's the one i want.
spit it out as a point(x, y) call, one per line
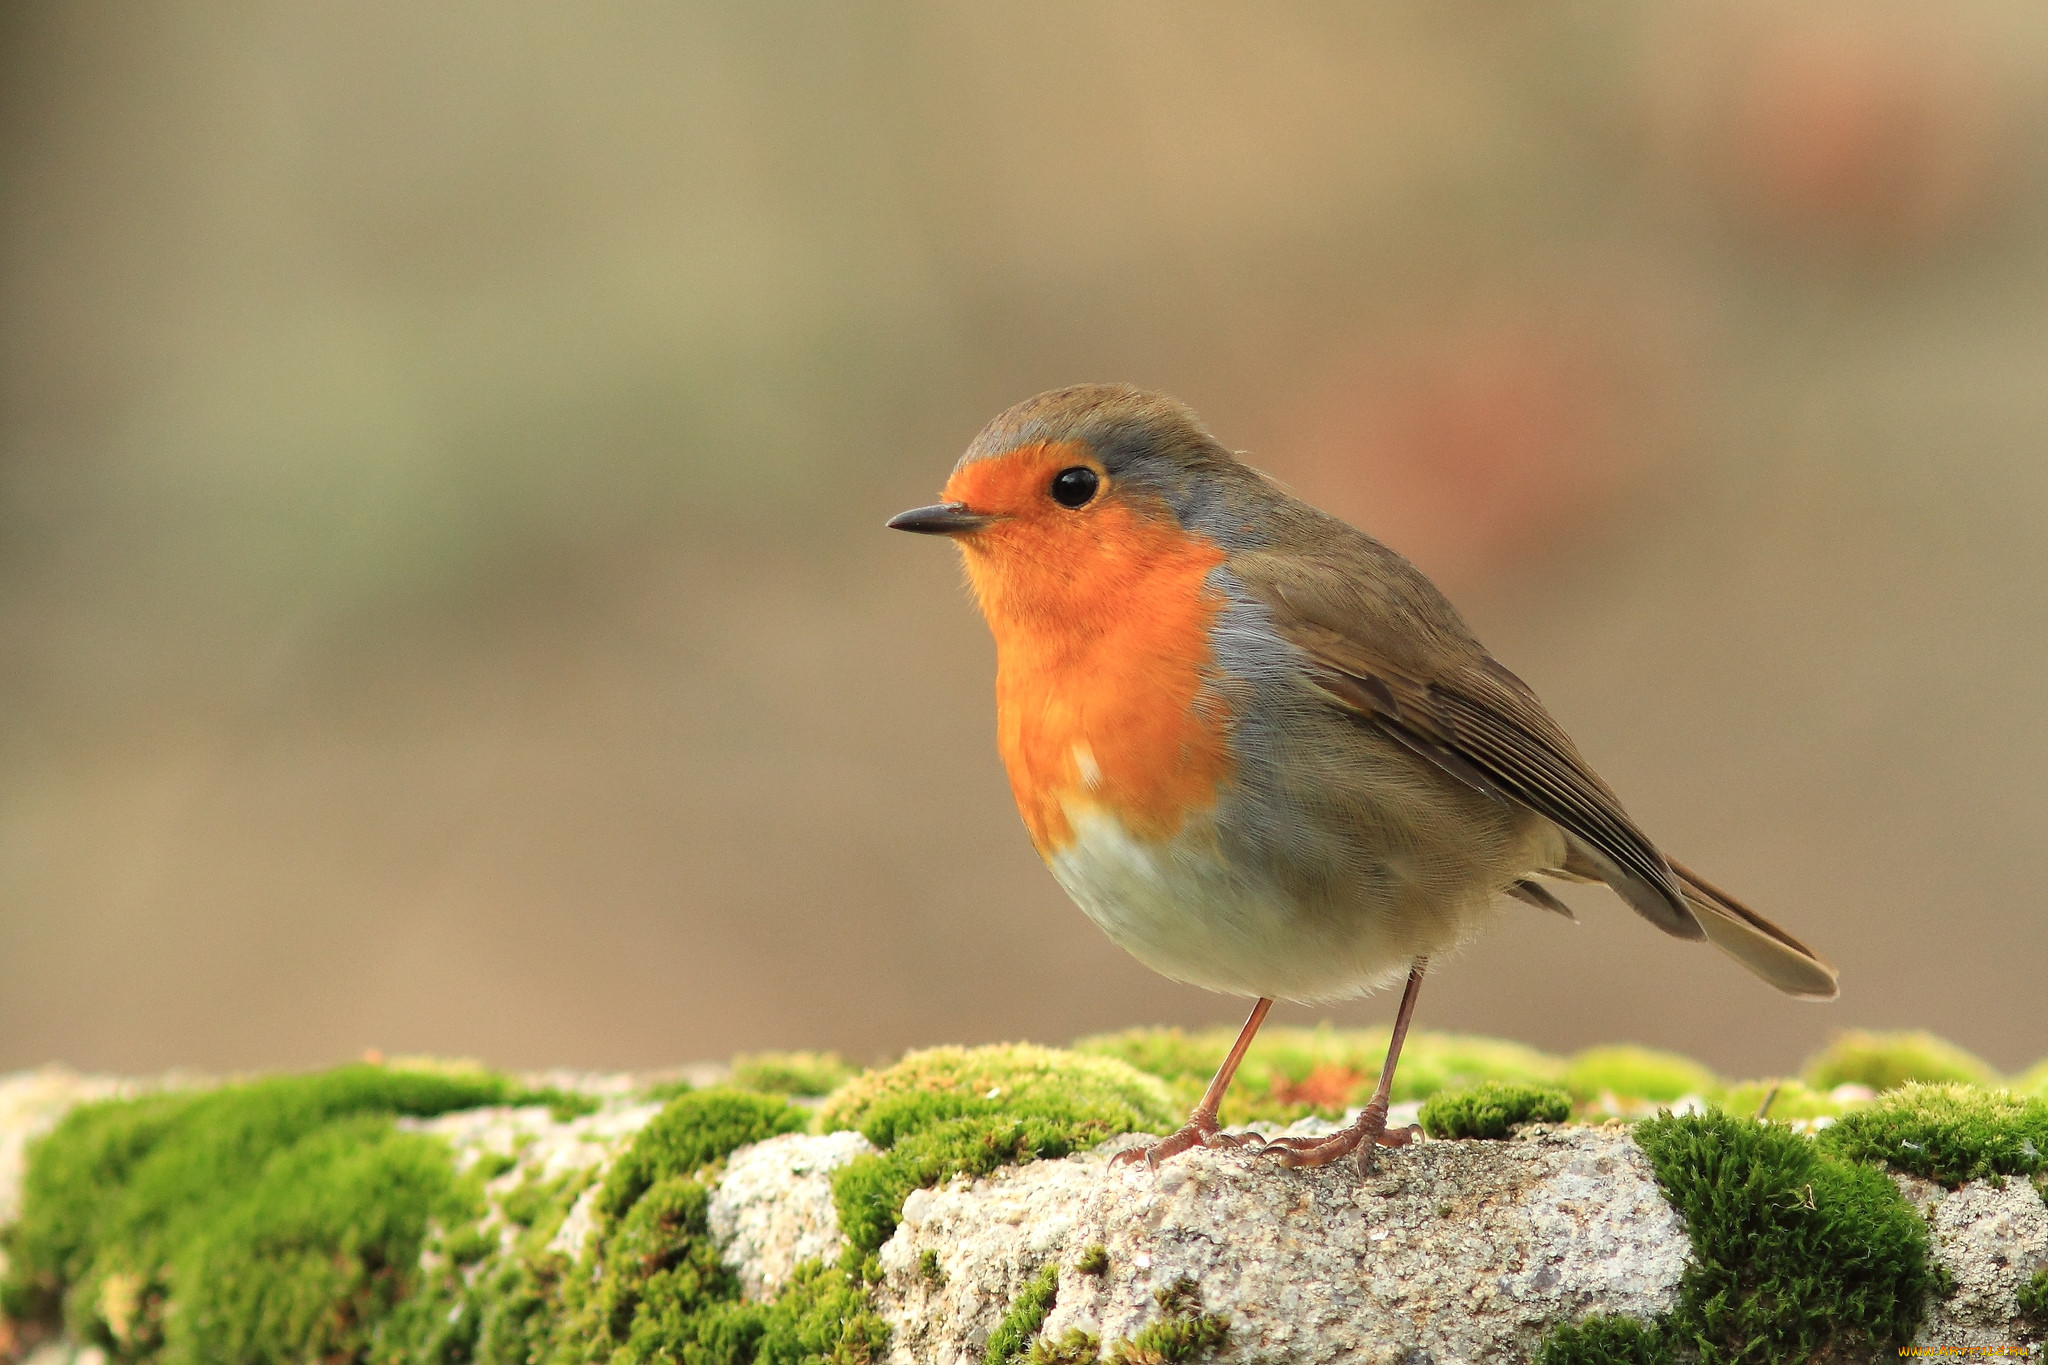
point(940, 519)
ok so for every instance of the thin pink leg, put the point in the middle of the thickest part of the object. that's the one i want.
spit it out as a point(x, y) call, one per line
point(1369, 1133)
point(1201, 1130)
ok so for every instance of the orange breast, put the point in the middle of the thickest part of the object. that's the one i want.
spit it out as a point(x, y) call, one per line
point(1102, 634)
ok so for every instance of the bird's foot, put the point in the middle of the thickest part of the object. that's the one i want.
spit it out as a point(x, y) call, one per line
point(1365, 1137)
point(1199, 1131)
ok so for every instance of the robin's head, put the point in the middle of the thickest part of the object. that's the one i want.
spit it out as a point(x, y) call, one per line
point(1070, 496)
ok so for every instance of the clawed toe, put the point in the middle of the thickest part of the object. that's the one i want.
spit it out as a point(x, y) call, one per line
point(1297, 1153)
point(1189, 1136)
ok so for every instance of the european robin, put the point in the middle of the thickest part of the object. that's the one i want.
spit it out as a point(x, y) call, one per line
point(1259, 748)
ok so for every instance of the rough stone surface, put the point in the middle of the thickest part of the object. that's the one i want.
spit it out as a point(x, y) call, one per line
point(773, 1207)
point(1454, 1251)
point(1992, 1241)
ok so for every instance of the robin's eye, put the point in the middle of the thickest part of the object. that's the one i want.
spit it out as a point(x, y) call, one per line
point(1073, 487)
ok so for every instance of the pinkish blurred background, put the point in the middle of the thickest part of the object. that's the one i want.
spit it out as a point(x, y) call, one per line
point(443, 451)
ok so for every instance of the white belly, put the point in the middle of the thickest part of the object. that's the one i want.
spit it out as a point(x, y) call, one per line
point(1181, 911)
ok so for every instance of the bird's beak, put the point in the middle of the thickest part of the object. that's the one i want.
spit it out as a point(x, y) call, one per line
point(940, 519)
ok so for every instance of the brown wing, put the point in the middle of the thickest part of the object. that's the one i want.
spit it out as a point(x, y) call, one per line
point(1386, 646)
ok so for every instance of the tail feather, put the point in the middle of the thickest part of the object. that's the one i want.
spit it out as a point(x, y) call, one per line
point(1755, 942)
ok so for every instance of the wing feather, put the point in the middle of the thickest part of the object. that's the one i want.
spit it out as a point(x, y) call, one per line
point(1427, 684)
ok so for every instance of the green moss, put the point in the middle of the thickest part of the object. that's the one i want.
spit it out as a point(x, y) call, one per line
point(2033, 1299)
point(1885, 1061)
point(869, 1191)
point(1796, 1255)
point(694, 1129)
point(1291, 1073)
point(1075, 1347)
point(1492, 1110)
point(1606, 1341)
point(1025, 1316)
point(308, 1262)
point(1012, 1078)
point(2033, 1081)
point(562, 1105)
point(956, 1111)
point(825, 1314)
point(929, 1270)
point(290, 1220)
point(502, 1311)
point(661, 1092)
point(75, 1175)
point(1184, 1332)
point(1094, 1261)
point(649, 1285)
point(120, 1193)
point(490, 1165)
point(1792, 1100)
point(791, 1073)
point(1950, 1133)
point(1637, 1073)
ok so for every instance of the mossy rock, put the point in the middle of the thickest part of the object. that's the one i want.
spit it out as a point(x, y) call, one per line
point(1949, 1133)
point(649, 1284)
point(1291, 1073)
point(1492, 1111)
point(1020, 1079)
point(694, 1130)
point(1637, 1073)
point(1885, 1061)
point(959, 1111)
point(123, 1191)
point(1184, 1331)
point(1797, 1255)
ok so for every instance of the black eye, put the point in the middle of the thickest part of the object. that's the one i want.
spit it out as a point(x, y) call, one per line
point(1073, 487)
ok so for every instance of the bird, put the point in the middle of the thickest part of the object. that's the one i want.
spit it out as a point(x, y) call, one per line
point(1260, 749)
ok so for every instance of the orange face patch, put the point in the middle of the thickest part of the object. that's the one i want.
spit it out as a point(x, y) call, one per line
point(1101, 616)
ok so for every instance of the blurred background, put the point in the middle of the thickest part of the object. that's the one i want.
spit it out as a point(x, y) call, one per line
point(444, 604)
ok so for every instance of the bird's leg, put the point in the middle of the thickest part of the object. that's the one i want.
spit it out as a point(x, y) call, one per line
point(1369, 1133)
point(1201, 1129)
